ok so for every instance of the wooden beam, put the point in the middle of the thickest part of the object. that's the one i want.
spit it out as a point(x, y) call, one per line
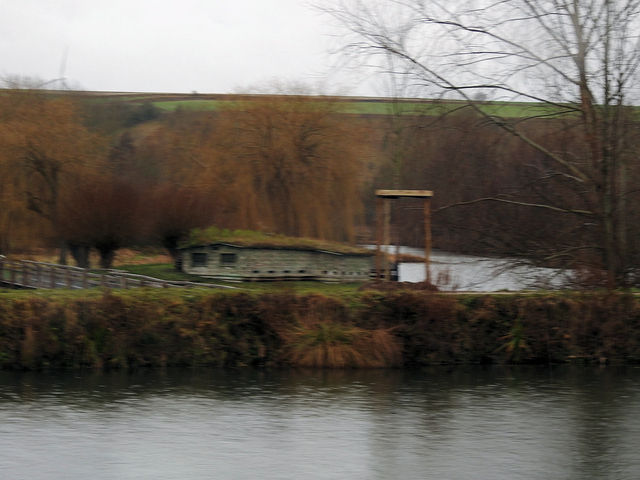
point(404, 193)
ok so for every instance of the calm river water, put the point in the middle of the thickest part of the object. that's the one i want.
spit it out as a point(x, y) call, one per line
point(439, 423)
point(458, 272)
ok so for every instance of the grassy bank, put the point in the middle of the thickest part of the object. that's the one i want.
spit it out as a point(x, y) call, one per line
point(364, 329)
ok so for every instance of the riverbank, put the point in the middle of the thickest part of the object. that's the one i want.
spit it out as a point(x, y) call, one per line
point(157, 328)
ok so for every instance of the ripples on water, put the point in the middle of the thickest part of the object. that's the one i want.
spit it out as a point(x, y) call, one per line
point(460, 423)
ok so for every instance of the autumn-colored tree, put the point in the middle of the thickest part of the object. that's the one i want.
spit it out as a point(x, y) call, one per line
point(44, 150)
point(16, 222)
point(298, 160)
point(174, 211)
point(103, 213)
point(283, 163)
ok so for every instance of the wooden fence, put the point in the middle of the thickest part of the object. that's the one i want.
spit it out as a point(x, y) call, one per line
point(25, 274)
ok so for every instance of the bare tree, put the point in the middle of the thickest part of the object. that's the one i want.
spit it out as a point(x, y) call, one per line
point(576, 61)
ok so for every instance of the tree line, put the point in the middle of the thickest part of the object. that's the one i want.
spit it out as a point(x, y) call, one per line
point(80, 177)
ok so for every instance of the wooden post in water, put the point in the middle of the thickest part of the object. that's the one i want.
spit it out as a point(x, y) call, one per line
point(388, 195)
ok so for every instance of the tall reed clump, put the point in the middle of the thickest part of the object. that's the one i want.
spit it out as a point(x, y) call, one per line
point(335, 345)
point(515, 345)
point(316, 331)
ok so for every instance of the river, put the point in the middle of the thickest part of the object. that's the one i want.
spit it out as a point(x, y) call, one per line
point(494, 423)
point(458, 272)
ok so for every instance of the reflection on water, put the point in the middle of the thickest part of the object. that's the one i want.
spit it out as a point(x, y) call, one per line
point(439, 423)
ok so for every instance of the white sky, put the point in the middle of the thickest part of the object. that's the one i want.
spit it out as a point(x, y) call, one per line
point(208, 46)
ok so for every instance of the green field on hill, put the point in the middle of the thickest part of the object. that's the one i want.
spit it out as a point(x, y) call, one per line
point(348, 105)
point(381, 107)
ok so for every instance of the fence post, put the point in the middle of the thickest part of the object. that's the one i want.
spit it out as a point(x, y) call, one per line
point(85, 279)
point(52, 276)
point(25, 274)
point(68, 279)
point(123, 282)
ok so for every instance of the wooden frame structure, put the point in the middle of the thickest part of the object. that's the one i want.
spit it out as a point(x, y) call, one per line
point(383, 214)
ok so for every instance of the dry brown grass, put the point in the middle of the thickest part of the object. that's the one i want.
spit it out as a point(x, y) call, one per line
point(333, 345)
point(124, 256)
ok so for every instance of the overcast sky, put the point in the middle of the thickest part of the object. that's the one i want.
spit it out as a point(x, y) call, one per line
point(208, 46)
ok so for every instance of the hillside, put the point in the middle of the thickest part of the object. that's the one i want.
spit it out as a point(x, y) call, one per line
point(347, 105)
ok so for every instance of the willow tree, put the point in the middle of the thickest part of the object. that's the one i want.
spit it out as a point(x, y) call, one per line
point(297, 160)
point(575, 60)
point(104, 213)
point(44, 149)
point(172, 212)
point(278, 163)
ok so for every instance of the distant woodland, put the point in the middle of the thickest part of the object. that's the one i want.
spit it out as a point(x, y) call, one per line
point(88, 171)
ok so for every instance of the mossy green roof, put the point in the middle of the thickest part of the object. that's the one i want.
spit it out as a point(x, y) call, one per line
point(253, 239)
